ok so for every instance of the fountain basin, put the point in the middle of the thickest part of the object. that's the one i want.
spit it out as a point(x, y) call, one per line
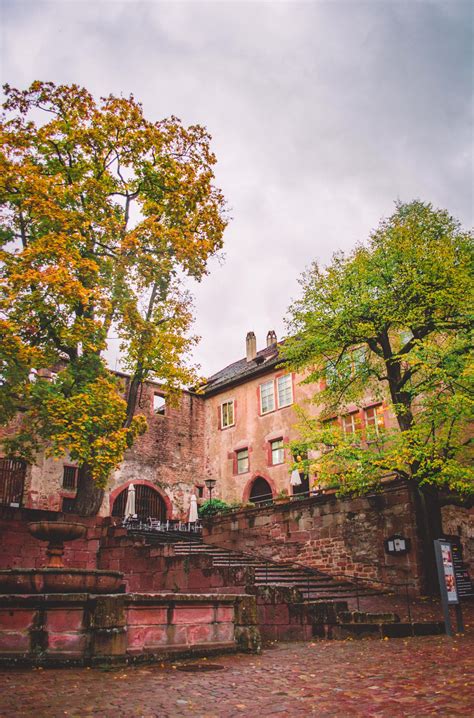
point(60, 580)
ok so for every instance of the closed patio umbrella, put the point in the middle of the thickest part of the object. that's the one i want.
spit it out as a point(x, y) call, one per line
point(130, 505)
point(193, 510)
point(295, 479)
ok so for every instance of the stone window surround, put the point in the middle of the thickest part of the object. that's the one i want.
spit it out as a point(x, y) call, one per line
point(222, 425)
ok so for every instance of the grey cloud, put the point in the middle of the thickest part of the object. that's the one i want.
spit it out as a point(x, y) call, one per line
point(322, 114)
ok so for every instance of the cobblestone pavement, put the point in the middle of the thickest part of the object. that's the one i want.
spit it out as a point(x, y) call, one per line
point(429, 676)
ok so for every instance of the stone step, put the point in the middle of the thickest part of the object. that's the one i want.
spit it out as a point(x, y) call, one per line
point(343, 631)
point(366, 617)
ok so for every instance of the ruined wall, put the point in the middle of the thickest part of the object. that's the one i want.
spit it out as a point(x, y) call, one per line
point(339, 536)
point(169, 456)
point(171, 453)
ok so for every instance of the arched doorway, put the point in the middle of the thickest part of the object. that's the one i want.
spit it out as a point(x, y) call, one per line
point(261, 491)
point(148, 503)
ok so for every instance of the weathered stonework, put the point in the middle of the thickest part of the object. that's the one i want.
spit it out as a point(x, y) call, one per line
point(340, 536)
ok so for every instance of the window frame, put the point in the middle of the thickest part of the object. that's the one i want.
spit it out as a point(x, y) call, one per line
point(221, 414)
point(277, 380)
point(267, 383)
point(280, 448)
point(160, 411)
point(247, 457)
point(379, 418)
point(355, 423)
point(76, 473)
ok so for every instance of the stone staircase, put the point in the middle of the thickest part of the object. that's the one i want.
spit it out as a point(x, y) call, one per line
point(325, 598)
point(313, 584)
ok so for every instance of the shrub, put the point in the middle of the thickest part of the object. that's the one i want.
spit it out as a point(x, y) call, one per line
point(213, 507)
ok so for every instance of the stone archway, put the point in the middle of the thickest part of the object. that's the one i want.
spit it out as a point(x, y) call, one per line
point(149, 502)
point(260, 491)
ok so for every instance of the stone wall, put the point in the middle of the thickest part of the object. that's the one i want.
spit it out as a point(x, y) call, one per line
point(338, 536)
point(459, 521)
point(156, 568)
point(87, 629)
point(19, 549)
point(168, 457)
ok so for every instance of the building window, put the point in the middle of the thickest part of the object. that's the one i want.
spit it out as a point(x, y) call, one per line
point(351, 423)
point(374, 418)
point(267, 397)
point(159, 404)
point(242, 461)
point(70, 478)
point(277, 452)
point(285, 391)
point(227, 414)
point(200, 491)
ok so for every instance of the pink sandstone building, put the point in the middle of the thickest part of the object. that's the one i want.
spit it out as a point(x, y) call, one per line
point(235, 430)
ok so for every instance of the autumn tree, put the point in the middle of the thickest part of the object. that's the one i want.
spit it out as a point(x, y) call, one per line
point(104, 212)
point(393, 319)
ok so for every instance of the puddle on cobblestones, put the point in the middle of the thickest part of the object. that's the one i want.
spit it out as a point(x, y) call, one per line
point(198, 667)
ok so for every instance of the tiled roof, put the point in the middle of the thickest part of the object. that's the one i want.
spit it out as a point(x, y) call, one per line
point(242, 370)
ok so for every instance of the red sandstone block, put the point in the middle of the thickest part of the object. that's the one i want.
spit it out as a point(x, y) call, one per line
point(193, 614)
point(146, 636)
point(224, 632)
point(177, 635)
point(14, 642)
point(225, 614)
point(147, 616)
point(277, 614)
point(217, 580)
point(61, 619)
point(16, 620)
point(66, 642)
point(94, 533)
point(200, 634)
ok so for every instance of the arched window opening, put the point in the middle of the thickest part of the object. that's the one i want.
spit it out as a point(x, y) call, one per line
point(261, 491)
point(148, 503)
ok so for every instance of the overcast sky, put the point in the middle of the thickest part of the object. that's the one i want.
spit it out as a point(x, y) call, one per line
point(322, 115)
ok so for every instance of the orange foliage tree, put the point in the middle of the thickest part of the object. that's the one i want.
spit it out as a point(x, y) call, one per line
point(104, 212)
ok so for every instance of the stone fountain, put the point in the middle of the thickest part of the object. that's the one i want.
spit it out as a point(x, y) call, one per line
point(55, 577)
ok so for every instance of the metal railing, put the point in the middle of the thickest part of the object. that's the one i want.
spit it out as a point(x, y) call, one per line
point(363, 587)
point(132, 523)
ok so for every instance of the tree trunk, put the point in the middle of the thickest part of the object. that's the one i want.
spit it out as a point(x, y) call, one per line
point(89, 496)
point(428, 515)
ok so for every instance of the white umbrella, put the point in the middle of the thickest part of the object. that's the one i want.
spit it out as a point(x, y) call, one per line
point(193, 510)
point(130, 505)
point(295, 479)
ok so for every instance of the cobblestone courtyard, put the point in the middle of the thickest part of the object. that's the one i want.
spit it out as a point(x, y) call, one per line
point(429, 676)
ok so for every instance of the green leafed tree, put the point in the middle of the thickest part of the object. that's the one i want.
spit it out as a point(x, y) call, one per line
point(104, 212)
point(392, 319)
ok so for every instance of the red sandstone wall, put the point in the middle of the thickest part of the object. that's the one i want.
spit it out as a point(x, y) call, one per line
point(339, 536)
point(21, 550)
point(171, 453)
point(155, 568)
point(169, 456)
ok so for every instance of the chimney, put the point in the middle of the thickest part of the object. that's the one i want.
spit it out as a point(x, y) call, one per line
point(271, 338)
point(251, 344)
